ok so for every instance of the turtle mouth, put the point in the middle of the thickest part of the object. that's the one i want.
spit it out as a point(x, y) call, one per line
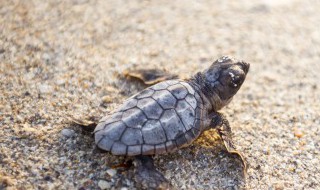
point(245, 66)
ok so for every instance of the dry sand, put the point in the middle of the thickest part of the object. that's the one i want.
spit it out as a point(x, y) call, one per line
point(59, 59)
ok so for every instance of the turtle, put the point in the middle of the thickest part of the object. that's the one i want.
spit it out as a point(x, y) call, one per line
point(170, 115)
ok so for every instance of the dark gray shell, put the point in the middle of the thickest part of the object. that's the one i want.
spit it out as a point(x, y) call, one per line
point(157, 120)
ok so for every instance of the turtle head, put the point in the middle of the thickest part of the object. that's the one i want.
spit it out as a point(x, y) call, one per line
point(223, 79)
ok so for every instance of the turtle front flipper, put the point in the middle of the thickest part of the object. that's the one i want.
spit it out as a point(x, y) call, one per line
point(147, 176)
point(149, 76)
point(222, 125)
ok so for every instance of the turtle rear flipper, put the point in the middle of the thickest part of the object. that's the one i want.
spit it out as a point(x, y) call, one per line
point(147, 176)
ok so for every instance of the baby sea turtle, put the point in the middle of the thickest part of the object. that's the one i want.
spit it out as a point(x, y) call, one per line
point(170, 115)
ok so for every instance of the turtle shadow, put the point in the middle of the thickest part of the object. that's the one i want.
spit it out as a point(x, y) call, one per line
point(201, 167)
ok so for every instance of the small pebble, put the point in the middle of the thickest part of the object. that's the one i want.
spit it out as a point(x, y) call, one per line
point(60, 81)
point(45, 89)
point(68, 133)
point(298, 133)
point(278, 186)
point(46, 56)
point(111, 172)
point(47, 178)
point(266, 151)
point(104, 184)
point(107, 99)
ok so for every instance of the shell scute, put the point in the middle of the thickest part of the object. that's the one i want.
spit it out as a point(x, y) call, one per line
point(128, 104)
point(112, 131)
point(178, 91)
point(160, 86)
point(132, 137)
point(153, 133)
point(192, 101)
point(150, 108)
point(110, 118)
point(119, 148)
point(145, 93)
point(134, 118)
point(172, 124)
point(165, 99)
point(186, 113)
point(134, 150)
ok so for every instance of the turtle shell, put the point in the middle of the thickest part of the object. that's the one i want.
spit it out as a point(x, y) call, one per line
point(159, 119)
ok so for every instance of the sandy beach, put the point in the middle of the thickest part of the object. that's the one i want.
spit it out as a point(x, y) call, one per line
point(62, 59)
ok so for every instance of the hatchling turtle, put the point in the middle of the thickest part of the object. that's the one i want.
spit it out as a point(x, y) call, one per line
point(170, 115)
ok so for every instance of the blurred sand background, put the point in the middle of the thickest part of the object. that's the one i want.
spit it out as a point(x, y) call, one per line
point(59, 59)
